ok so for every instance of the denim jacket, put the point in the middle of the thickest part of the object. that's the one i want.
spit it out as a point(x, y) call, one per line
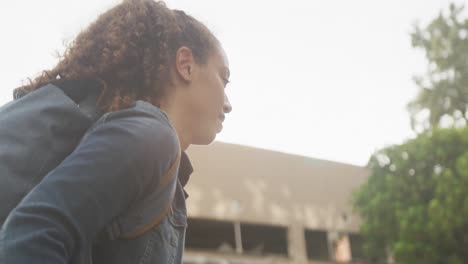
point(117, 198)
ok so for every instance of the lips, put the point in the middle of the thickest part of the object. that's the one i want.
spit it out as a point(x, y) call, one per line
point(221, 118)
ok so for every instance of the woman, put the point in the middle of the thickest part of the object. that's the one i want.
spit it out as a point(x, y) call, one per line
point(118, 197)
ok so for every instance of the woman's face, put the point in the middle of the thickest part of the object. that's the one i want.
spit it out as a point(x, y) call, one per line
point(208, 100)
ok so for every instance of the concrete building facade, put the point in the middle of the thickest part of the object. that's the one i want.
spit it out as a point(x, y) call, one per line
point(249, 205)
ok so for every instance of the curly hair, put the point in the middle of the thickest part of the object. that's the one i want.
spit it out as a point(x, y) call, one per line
point(130, 49)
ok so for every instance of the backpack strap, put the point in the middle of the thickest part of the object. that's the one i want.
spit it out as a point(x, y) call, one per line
point(149, 212)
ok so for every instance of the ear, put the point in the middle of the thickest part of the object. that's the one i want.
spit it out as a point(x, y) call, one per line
point(184, 63)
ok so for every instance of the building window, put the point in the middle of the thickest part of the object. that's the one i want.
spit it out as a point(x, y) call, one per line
point(357, 243)
point(317, 244)
point(263, 240)
point(240, 238)
point(210, 235)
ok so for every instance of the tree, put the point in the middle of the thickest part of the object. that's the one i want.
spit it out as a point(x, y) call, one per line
point(444, 88)
point(416, 200)
point(415, 203)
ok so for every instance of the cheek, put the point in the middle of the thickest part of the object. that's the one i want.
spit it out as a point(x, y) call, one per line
point(206, 103)
point(213, 93)
point(208, 97)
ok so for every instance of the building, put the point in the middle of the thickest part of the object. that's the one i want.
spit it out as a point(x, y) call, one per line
point(249, 205)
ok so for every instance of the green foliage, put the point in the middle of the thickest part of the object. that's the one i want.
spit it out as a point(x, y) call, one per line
point(415, 203)
point(416, 200)
point(444, 88)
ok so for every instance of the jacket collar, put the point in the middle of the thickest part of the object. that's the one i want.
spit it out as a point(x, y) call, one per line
point(185, 169)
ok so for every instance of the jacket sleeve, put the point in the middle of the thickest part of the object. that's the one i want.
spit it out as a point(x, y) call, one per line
point(116, 163)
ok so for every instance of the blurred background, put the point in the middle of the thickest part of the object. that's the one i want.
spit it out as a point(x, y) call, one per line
point(347, 138)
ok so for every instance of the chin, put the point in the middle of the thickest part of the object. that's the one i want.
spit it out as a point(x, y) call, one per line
point(205, 139)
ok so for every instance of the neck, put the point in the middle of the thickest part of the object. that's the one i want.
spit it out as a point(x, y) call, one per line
point(178, 121)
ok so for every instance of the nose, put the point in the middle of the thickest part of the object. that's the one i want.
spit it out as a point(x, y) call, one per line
point(227, 107)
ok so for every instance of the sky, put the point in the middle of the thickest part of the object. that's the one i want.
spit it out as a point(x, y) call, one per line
point(323, 79)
